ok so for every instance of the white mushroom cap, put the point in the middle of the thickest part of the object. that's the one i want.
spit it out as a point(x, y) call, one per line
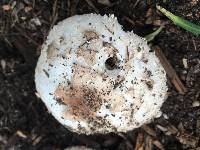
point(95, 78)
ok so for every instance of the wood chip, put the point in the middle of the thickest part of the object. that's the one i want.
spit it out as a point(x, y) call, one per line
point(3, 64)
point(170, 71)
point(196, 104)
point(187, 139)
point(148, 143)
point(21, 134)
point(149, 130)
point(139, 142)
point(37, 94)
point(6, 7)
point(158, 144)
point(36, 140)
point(28, 8)
point(161, 128)
point(185, 64)
point(172, 129)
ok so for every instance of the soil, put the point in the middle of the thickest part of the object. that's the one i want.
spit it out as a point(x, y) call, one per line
point(24, 25)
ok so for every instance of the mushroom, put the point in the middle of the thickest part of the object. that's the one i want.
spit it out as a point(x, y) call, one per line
point(96, 78)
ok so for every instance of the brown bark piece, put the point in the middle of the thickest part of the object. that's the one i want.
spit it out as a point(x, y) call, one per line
point(170, 71)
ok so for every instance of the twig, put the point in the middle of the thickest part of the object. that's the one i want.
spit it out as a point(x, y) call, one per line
point(139, 142)
point(149, 130)
point(55, 14)
point(151, 138)
point(170, 71)
point(193, 41)
point(148, 143)
point(136, 3)
point(90, 3)
point(129, 20)
point(158, 144)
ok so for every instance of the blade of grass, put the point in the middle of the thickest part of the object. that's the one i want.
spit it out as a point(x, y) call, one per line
point(195, 29)
point(151, 36)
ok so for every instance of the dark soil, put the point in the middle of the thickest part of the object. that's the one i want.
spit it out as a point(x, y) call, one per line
point(24, 120)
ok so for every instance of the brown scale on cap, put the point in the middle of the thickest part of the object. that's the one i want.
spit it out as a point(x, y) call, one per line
point(82, 103)
point(88, 55)
point(89, 35)
point(111, 50)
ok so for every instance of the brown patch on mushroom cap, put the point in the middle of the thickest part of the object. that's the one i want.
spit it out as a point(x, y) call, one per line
point(111, 50)
point(88, 55)
point(81, 102)
point(89, 35)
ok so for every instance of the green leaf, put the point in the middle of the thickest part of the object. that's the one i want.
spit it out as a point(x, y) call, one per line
point(195, 29)
point(151, 36)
